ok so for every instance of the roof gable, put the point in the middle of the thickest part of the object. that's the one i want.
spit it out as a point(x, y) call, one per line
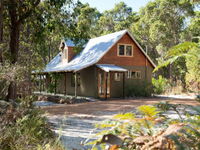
point(138, 58)
point(94, 50)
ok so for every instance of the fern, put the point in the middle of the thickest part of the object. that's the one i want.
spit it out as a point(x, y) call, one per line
point(148, 111)
point(126, 116)
point(134, 130)
point(176, 52)
point(181, 49)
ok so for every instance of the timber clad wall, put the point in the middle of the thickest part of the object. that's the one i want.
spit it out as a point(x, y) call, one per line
point(111, 57)
point(116, 86)
point(88, 83)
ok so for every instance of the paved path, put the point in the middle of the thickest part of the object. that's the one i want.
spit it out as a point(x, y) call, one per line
point(76, 122)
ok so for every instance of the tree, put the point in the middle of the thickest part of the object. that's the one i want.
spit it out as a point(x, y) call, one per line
point(16, 18)
point(160, 26)
point(118, 18)
point(84, 23)
point(18, 12)
point(194, 28)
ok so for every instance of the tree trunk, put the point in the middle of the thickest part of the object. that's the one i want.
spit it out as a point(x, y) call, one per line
point(14, 48)
point(14, 42)
point(12, 91)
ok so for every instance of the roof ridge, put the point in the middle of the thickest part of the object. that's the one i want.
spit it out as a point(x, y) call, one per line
point(109, 34)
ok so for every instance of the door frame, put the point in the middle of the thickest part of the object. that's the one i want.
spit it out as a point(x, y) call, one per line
point(103, 84)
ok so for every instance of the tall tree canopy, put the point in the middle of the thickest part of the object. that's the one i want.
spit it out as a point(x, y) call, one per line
point(118, 18)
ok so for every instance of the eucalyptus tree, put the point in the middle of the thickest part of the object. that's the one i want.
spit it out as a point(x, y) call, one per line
point(84, 22)
point(19, 21)
point(118, 18)
point(160, 26)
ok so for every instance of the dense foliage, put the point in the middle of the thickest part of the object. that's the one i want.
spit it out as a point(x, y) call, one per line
point(152, 127)
point(23, 127)
point(159, 85)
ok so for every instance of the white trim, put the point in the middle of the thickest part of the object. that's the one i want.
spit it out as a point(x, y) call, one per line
point(111, 68)
point(125, 45)
point(117, 76)
point(129, 73)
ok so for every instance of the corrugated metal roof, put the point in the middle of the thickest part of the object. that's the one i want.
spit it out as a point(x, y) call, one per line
point(95, 49)
point(110, 67)
point(69, 43)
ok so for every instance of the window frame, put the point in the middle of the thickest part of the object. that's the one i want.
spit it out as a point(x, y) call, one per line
point(125, 45)
point(78, 80)
point(135, 77)
point(119, 76)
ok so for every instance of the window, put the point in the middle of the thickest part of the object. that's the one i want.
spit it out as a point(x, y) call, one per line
point(78, 80)
point(117, 76)
point(128, 50)
point(125, 50)
point(121, 49)
point(134, 74)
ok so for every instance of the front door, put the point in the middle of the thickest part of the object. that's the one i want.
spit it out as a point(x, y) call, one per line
point(103, 84)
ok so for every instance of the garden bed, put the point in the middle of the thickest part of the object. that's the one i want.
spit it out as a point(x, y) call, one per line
point(62, 99)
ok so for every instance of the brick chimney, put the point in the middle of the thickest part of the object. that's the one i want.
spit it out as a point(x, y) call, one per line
point(66, 48)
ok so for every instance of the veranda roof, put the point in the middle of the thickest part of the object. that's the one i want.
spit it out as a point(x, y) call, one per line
point(110, 67)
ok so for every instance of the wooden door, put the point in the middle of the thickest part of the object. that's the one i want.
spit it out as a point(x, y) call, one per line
point(103, 84)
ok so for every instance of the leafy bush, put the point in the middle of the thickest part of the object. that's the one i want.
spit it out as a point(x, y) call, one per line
point(23, 128)
point(142, 89)
point(159, 85)
point(151, 128)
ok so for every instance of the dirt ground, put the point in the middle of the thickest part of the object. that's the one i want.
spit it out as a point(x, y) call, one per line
point(76, 122)
point(114, 105)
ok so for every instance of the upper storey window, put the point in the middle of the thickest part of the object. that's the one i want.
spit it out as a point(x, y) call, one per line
point(125, 50)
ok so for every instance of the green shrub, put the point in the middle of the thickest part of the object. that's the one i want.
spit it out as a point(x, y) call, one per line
point(24, 127)
point(143, 89)
point(159, 85)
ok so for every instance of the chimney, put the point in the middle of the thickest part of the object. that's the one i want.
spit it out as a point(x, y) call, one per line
point(66, 48)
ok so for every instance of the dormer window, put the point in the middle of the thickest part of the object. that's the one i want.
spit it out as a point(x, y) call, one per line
point(125, 50)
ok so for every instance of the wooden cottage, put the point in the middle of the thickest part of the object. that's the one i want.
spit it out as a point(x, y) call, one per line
point(104, 68)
